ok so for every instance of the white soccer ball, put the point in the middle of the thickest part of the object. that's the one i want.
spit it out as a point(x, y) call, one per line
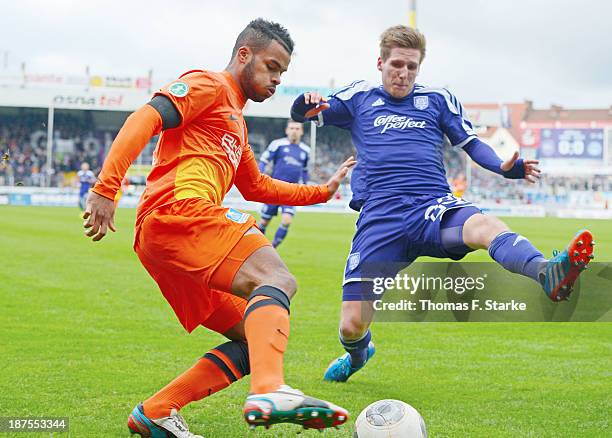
point(390, 419)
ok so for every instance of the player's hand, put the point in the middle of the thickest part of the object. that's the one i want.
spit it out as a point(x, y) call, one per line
point(317, 99)
point(532, 171)
point(99, 216)
point(336, 179)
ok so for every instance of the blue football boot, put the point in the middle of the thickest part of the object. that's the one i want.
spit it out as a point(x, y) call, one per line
point(341, 369)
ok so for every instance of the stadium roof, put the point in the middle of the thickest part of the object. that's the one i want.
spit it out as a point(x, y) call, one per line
point(559, 114)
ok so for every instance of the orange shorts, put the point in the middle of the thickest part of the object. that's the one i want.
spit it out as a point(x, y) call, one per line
point(193, 250)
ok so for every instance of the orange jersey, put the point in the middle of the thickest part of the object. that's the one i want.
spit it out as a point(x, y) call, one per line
point(184, 238)
point(199, 158)
point(204, 155)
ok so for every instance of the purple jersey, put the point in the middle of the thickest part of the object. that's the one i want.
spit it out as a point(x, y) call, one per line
point(399, 141)
point(86, 180)
point(289, 160)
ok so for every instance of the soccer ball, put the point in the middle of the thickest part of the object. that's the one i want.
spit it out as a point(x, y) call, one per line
point(390, 419)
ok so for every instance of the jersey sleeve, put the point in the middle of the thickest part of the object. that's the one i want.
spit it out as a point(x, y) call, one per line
point(134, 135)
point(454, 122)
point(258, 187)
point(342, 106)
point(338, 114)
point(191, 94)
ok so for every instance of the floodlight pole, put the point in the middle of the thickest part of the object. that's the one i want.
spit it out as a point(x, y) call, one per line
point(313, 145)
point(412, 14)
point(468, 173)
point(50, 145)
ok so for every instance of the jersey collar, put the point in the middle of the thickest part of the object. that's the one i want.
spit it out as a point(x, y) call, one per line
point(230, 80)
point(395, 99)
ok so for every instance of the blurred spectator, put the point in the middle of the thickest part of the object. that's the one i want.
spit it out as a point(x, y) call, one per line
point(23, 141)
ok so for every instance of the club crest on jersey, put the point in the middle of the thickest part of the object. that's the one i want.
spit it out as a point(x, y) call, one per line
point(353, 260)
point(421, 102)
point(178, 89)
point(237, 216)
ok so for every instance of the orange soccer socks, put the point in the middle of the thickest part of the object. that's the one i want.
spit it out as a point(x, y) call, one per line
point(219, 368)
point(266, 325)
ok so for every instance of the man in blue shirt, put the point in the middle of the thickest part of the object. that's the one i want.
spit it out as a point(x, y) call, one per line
point(289, 159)
point(86, 180)
point(400, 187)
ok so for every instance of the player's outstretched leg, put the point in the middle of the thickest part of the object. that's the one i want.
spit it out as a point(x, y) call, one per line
point(355, 335)
point(266, 325)
point(158, 416)
point(517, 254)
point(564, 268)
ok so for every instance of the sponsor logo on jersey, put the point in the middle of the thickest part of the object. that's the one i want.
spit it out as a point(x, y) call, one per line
point(232, 149)
point(378, 102)
point(421, 102)
point(393, 121)
point(291, 161)
point(178, 89)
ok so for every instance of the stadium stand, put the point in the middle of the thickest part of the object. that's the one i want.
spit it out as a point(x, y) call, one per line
point(86, 135)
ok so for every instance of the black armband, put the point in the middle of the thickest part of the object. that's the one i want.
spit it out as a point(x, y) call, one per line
point(170, 116)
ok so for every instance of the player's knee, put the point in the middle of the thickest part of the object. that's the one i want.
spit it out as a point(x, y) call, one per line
point(281, 279)
point(263, 268)
point(287, 283)
point(353, 327)
point(491, 227)
point(236, 333)
point(480, 230)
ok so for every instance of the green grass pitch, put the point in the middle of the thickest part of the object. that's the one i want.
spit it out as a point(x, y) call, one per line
point(86, 334)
